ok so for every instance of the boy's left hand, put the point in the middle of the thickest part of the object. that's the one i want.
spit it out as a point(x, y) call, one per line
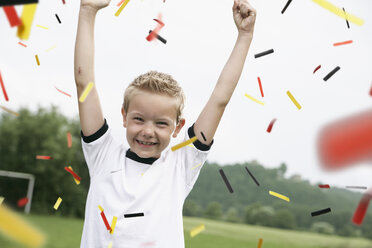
point(244, 16)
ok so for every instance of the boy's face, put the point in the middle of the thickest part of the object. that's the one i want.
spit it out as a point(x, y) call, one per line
point(150, 121)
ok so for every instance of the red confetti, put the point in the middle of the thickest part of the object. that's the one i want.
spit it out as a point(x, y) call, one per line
point(154, 33)
point(271, 125)
point(3, 88)
point(21, 202)
point(43, 157)
point(73, 174)
point(22, 44)
point(69, 140)
point(347, 141)
point(259, 83)
point(343, 43)
point(62, 92)
point(105, 221)
point(370, 92)
point(120, 3)
point(361, 210)
point(324, 186)
point(63, 1)
point(317, 68)
point(12, 16)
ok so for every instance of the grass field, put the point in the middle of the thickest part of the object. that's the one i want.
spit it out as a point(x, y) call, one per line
point(66, 233)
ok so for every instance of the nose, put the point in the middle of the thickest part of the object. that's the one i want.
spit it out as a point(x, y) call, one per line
point(148, 130)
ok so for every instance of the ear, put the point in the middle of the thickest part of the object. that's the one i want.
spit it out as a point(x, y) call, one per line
point(179, 126)
point(124, 117)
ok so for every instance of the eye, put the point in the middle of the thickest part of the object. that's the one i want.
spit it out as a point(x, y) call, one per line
point(138, 119)
point(162, 123)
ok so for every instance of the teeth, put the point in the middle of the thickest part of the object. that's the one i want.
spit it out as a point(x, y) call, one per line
point(146, 143)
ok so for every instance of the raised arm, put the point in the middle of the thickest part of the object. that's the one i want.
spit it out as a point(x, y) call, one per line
point(209, 118)
point(90, 112)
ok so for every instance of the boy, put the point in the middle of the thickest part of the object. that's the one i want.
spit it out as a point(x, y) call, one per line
point(147, 178)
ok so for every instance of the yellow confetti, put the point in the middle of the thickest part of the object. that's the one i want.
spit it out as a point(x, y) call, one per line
point(121, 8)
point(191, 145)
point(185, 143)
point(1, 199)
point(76, 181)
point(196, 166)
point(42, 27)
point(195, 231)
point(86, 91)
point(100, 208)
point(9, 111)
point(294, 100)
point(110, 245)
point(113, 224)
point(14, 227)
point(27, 17)
point(37, 60)
point(254, 99)
point(336, 10)
point(56, 205)
point(51, 48)
point(260, 243)
point(283, 197)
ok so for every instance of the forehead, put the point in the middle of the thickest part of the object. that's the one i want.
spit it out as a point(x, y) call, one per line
point(153, 104)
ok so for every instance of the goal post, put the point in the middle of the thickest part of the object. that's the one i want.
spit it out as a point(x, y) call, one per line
point(30, 188)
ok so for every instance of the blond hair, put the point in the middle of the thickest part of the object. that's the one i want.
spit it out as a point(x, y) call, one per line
point(156, 82)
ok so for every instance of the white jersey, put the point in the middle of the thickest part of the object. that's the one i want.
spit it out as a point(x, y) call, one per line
point(123, 183)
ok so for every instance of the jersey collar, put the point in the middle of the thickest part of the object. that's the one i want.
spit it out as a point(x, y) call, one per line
point(135, 157)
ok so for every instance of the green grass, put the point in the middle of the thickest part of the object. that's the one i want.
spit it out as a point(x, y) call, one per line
point(66, 232)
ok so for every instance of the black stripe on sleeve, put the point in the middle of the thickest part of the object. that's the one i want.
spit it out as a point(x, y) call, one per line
point(100, 132)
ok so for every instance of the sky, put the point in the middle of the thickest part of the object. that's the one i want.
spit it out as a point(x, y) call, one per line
point(200, 36)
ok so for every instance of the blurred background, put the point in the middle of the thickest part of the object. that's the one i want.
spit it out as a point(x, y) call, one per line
point(200, 36)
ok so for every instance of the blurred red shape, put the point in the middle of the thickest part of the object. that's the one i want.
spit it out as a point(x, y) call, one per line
point(346, 142)
point(21, 202)
point(324, 186)
point(362, 208)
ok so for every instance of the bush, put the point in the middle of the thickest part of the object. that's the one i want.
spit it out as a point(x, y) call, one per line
point(322, 227)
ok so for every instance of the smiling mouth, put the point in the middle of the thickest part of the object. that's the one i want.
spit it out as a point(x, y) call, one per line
point(145, 143)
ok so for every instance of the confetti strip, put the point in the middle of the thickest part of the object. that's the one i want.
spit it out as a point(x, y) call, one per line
point(73, 173)
point(196, 230)
point(283, 197)
point(185, 143)
point(121, 7)
point(110, 245)
point(9, 111)
point(113, 224)
point(356, 187)
point(3, 88)
point(37, 60)
point(133, 215)
point(259, 83)
point(337, 11)
point(22, 202)
point(27, 17)
point(159, 37)
point(58, 19)
point(22, 44)
point(324, 186)
point(196, 166)
point(86, 91)
point(76, 181)
point(370, 91)
point(343, 43)
point(263, 53)
point(254, 99)
point(44, 157)
point(203, 136)
point(39, 26)
point(1, 200)
point(260, 241)
point(63, 1)
point(294, 100)
point(16, 2)
point(100, 208)
point(254, 179)
point(329, 75)
point(320, 212)
point(58, 202)
point(120, 3)
point(270, 127)
point(105, 220)
point(13, 226)
point(286, 6)
point(51, 48)
point(69, 140)
point(154, 33)
point(226, 181)
point(62, 92)
point(362, 208)
point(12, 16)
point(317, 68)
point(347, 22)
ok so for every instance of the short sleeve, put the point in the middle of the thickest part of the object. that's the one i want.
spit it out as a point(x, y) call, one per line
point(193, 157)
point(97, 148)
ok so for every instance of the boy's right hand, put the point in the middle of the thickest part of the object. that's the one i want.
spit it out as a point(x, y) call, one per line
point(95, 4)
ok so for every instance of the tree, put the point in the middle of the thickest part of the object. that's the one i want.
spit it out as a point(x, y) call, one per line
point(191, 208)
point(232, 215)
point(213, 211)
point(322, 227)
point(284, 219)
